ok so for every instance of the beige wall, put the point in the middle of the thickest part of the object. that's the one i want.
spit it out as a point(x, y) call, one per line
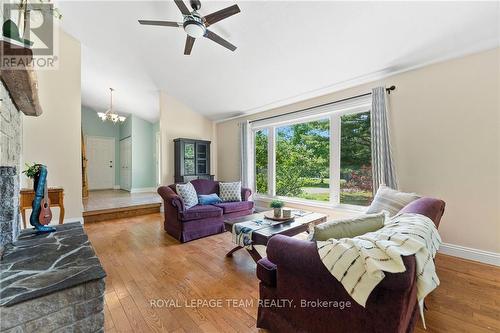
point(445, 131)
point(54, 137)
point(179, 121)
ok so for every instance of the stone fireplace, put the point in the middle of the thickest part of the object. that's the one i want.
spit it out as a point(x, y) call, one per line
point(48, 282)
point(10, 157)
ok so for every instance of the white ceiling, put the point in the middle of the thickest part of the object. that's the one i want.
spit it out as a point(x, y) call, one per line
point(286, 49)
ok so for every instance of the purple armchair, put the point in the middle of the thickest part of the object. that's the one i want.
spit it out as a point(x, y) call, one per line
point(293, 271)
point(200, 221)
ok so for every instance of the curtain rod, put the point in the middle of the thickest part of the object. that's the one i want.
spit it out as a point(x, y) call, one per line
point(391, 88)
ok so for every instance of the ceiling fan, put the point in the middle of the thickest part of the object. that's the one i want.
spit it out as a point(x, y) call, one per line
point(196, 25)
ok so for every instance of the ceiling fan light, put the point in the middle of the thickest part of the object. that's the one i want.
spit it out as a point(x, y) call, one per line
point(194, 29)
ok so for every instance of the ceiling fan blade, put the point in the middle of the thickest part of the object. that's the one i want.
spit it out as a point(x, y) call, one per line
point(221, 14)
point(219, 40)
point(182, 7)
point(162, 23)
point(189, 45)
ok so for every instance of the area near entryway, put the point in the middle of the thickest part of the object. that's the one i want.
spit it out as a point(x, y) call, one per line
point(121, 167)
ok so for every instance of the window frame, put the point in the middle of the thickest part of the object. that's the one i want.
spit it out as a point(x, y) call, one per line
point(333, 113)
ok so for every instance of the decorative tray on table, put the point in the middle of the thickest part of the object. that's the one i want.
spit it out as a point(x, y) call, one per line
point(278, 220)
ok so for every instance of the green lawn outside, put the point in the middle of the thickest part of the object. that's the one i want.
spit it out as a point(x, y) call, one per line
point(315, 182)
point(315, 196)
point(359, 198)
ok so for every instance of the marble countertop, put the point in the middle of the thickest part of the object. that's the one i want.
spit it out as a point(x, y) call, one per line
point(39, 264)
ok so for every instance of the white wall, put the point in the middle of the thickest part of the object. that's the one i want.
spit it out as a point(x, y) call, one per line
point(179, 121)
point(53, 138)
point(445, 131)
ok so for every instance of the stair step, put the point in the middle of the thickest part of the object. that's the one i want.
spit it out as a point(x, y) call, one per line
point(120, 212)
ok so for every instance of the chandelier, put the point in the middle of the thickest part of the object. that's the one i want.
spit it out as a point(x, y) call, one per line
point(109, 114)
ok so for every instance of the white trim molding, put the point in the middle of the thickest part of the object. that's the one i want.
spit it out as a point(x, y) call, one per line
point(142, 189)
point(486, 257)
point(116, 187)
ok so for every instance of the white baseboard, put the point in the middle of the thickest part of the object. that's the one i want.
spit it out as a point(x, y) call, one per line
point(116, 187)
point(486, 257)
point(143, 189)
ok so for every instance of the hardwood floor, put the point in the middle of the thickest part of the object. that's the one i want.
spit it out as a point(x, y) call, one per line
point(146, 265)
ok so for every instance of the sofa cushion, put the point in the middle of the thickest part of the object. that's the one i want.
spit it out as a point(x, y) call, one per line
point(208, 199)
point(188, 194)
point(238, 206)
point(348, 228)
point(200, 212)
point(230, 191)
point(205, 186)
point(390, 200)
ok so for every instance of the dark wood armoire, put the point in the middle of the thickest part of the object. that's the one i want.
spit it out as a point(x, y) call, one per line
point(192, 160)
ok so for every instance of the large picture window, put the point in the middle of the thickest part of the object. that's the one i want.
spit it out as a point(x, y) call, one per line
point(261, 159)
point(355, 160)
point(323, 159)
point(303, 160)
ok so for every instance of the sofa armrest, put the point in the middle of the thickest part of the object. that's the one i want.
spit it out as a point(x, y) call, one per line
point(266, 272)
point(430, 207)
point(245, 193)
point(170, 197)
point(301, 257)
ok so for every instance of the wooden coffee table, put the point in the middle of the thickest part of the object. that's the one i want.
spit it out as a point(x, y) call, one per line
point(262, 236)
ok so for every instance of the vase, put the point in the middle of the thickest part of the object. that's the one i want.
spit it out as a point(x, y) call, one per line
point(29, 183)
point(277, 212)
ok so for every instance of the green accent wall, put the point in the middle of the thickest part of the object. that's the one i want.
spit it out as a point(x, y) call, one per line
point(142, 134)
point(143, 149)
point(92, 125)
point(126, 128)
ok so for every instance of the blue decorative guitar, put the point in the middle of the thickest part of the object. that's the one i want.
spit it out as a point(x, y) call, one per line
point(40, 188)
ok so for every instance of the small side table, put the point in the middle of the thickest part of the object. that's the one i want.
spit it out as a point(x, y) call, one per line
point(56, 196)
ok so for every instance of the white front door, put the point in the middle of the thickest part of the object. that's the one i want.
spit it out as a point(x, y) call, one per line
point(101, 162)
point(126, 164)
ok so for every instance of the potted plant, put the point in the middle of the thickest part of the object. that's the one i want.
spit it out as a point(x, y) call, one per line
point(277, 205)
point(32, 172)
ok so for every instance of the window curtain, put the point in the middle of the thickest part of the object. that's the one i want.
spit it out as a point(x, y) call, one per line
point(382, 163)
point(246, 156)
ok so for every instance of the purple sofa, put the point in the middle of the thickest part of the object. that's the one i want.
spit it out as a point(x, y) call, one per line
point(200, 221)
point(294, 271)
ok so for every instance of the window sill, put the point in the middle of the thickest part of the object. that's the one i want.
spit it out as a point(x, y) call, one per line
point(311, 203)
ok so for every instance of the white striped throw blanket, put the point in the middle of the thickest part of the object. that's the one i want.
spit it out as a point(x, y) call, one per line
point(359, 263)
point(242, 232)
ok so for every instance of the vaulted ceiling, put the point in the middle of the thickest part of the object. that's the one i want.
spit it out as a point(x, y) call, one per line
point(286, 49)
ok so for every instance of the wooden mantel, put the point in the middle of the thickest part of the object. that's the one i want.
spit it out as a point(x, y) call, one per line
point(21, 83)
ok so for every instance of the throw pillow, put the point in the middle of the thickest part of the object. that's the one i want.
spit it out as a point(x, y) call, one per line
point(390, 200)
point(349, 228)
point(188, 194)
point(208, 199)
point(230, 191)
